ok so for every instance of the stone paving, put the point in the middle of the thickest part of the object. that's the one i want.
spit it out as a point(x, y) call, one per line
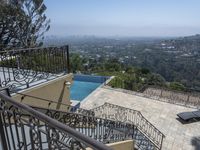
point(179, 136)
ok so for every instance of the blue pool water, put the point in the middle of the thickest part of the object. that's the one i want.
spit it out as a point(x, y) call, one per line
point(83, 85)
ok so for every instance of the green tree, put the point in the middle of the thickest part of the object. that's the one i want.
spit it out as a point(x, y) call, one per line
point(11, 25)
point(177, 86)
point(155, 79)
point(113, 65)
point(76, 62)
point(22, 23)
point(117, 82)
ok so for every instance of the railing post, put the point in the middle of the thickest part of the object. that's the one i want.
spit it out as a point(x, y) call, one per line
point(198, 104)
point(2, 134)
point(188, 99)
point(68, 61)
point(161, 94)
point(161, 143)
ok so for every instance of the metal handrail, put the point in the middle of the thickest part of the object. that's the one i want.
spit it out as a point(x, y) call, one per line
point(137, 121)
point(27, 49)
point(103, 130)
point(174, 97)
point(22, 67)
point(107, 129)
point(140, 115)
point(56, 124)
point(163, 88)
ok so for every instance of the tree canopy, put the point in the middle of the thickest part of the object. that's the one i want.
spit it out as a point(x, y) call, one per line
point(22, 23)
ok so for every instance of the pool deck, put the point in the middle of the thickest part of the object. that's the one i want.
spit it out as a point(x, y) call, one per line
point(163, 115)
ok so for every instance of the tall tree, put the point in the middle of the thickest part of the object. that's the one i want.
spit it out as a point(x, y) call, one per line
point(11, 23)
point(22, 23)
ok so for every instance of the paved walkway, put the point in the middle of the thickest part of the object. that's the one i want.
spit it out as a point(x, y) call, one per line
point(163, 115)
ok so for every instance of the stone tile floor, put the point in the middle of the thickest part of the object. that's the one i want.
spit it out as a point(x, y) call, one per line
point(163, 115)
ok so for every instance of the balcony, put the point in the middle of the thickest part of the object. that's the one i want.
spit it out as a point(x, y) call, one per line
point(24, 68)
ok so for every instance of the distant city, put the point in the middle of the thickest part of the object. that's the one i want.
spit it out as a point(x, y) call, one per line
point(175, 58)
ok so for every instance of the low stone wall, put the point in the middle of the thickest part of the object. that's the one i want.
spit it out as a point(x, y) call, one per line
point(122, 145)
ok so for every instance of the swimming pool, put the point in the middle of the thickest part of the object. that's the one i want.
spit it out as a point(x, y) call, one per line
point(83, 85)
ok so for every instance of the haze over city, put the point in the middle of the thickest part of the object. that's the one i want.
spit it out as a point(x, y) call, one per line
point(124, 18)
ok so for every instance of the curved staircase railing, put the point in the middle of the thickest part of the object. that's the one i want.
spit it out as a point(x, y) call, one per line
point(103, 125)
point(116, 113)
point(104, 130)
point(142, 136)
point(22, 127)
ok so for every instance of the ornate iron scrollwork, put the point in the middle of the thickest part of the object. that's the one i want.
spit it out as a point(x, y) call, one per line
point(25, 128)
point(20, 68)
point(145, 132)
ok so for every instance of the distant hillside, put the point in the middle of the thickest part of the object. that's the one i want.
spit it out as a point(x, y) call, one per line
point(176, 59)
point(185, 44)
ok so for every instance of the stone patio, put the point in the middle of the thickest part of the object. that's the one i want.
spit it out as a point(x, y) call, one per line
point(179, 136)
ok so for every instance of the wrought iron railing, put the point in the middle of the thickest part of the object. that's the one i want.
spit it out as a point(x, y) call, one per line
point(103, 130)
point(21, 68)
point(22, 127)
point(119, 113)
point(188, 99)
point(142, 139)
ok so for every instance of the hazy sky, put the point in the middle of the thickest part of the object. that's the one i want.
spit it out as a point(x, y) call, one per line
point(124, 17)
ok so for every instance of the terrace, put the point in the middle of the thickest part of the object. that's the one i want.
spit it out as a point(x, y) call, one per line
point(161, 113)
point(36, 111)
point(39, 112)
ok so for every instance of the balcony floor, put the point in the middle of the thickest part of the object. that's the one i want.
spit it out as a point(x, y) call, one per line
point(163, 115)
